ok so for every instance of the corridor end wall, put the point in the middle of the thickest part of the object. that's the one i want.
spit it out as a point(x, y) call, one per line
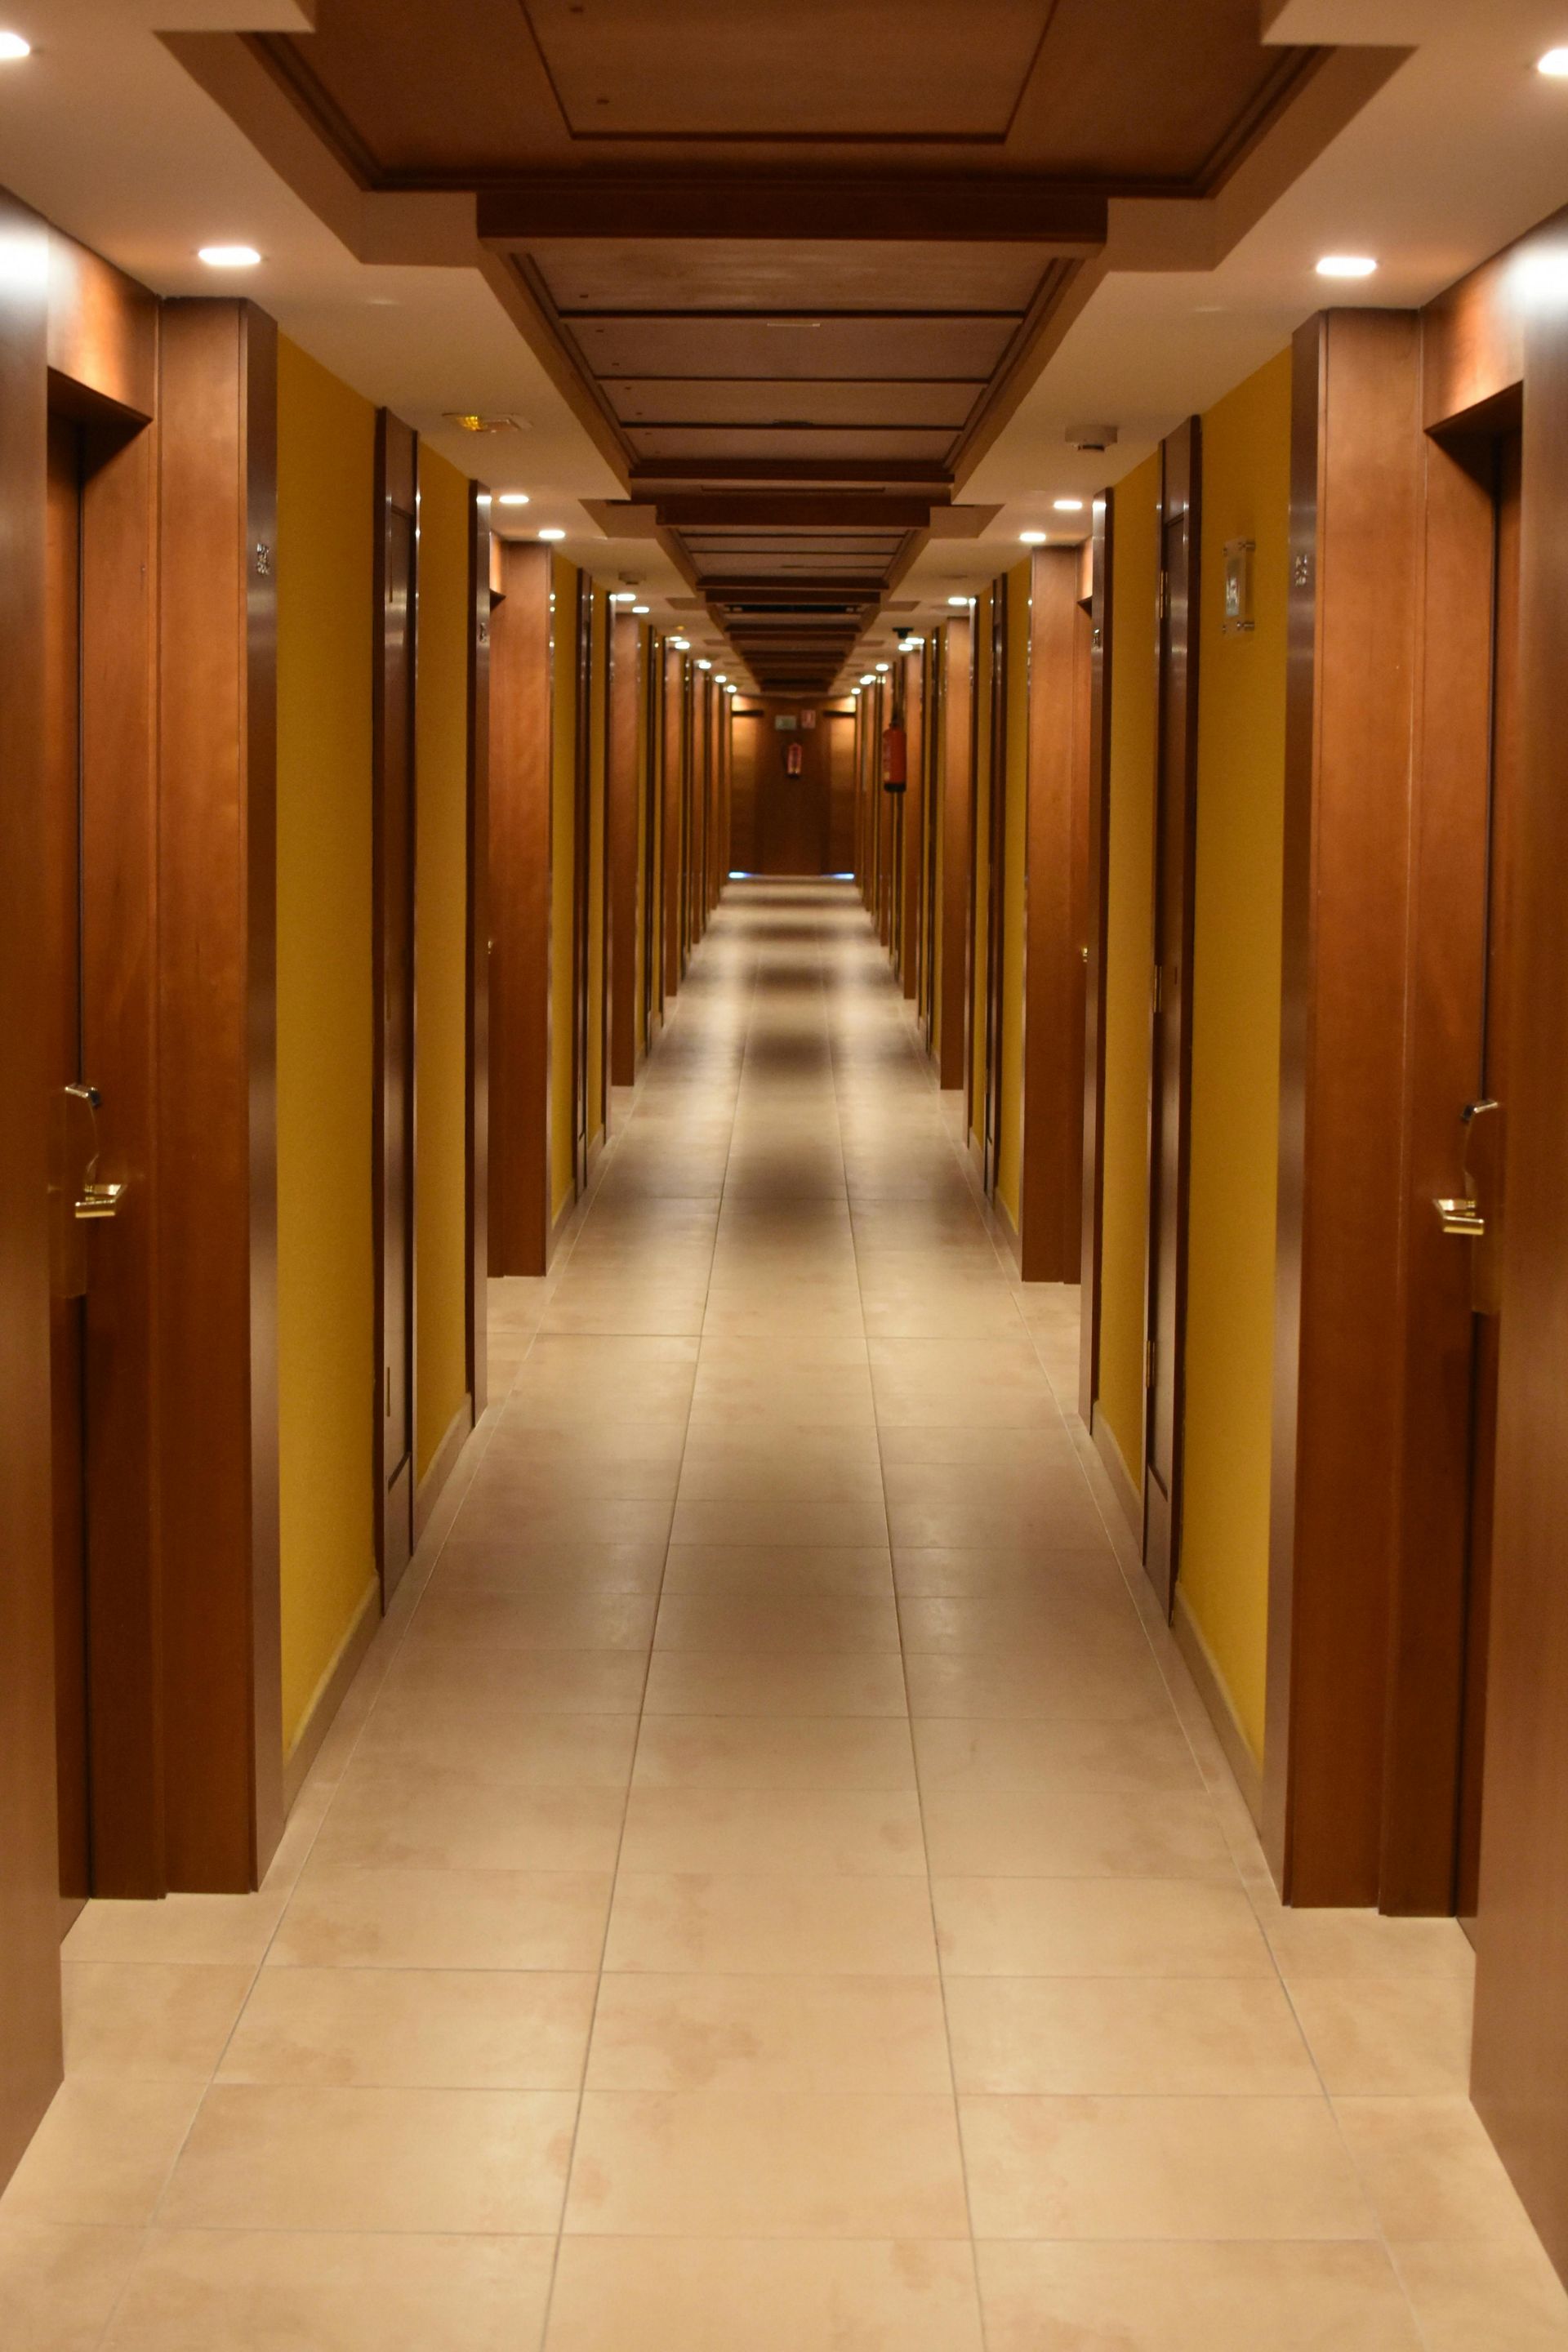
point(1223, 1590)
point(326, 1303)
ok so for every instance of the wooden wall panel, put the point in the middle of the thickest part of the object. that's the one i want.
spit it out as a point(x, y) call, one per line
point(1051, 1205)
point(477, 1075)
point(1096, 877)
point(957, 818)
point(621, 841)
point(1521, 2054)
point(520, 781)
point(29, 1864)
point(216, 1144)
point(673, 757)
point(1355, 540)
point(120, 831)
point(913, 821)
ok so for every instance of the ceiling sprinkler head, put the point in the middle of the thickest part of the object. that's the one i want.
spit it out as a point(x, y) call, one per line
point(1093, 436)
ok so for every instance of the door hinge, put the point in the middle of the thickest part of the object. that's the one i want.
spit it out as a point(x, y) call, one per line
point(1149, 1365)
point(1163, 596)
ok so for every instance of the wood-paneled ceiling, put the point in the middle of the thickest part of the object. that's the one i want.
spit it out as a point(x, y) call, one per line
point(795, 251)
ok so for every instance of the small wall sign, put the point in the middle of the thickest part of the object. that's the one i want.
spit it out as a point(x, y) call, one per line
point(1238, 555)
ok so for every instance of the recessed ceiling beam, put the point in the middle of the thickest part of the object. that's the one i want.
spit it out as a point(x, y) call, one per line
point(890, 208)
point(795, 511)
point(910, 473)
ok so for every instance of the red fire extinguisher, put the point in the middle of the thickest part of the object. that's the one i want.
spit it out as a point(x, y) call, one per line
point(895, 760)
point(794, 760)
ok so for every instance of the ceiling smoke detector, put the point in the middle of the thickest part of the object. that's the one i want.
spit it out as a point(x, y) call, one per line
point(1093, 436)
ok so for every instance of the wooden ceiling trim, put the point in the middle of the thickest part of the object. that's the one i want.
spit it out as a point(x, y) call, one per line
point(895, 209)
point(795, 511)
point(914, 473)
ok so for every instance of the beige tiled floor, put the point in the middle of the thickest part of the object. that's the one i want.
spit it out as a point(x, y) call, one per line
point(771, 1888)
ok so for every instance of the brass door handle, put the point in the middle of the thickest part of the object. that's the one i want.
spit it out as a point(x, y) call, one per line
point(95, 1200)
point(1461, 1218)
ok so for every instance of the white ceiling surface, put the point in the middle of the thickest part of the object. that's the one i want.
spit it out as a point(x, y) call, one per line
point(1461, 150)
point(106, 133)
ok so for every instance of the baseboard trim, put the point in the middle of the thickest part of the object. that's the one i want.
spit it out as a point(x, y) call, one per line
point(330, 1692)
point(1211, 1689)
point(559, 1223)
point(1010, 1233)
point(443, 1460)
point(1120, 1477)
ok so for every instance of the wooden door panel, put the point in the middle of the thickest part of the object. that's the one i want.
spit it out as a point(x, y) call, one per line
point(62, 716)
point(396, 497)
point(1171, 1016)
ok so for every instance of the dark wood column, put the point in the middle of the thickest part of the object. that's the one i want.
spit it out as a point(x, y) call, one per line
point(1355, 534)
point(952, 917)
point(216, 1351)
point(30, 1860)
point(1056, 855)
point(621, 827)
point(476, 1171)
point(520, 781)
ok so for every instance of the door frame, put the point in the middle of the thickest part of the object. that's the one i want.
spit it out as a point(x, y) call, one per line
point(1171, 997)
point(396, 495)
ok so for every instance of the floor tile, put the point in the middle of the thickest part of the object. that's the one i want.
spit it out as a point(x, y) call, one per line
point(262, 2291)
point(444, 1920)
point(850, 1571)
point(776, 1682)
point(1375, 2035)
point(150, 2021)
point(1152, 2168)
point(1431, 2171)
point(1193, 2297)
point(1097, 1927)
point(103, 2152)
point(863, 1833)
point(772, 1923)
point(773, 1752)
point(58, 2284)
point(437, 2028)
point(774, 1621)
point(1069, 1755)
point(397, 1813)
point(714, 2295)
point(1047, 1833)
point(1508, 2299)
point(766, 2164)
point(800, 2032)
point(1116, 2036)
point(287, 2157)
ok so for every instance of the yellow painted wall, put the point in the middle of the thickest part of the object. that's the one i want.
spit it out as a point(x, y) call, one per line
point(326, 1300)
point(1235, 1045)
point(981, 912)
point(562, 875)
point(599, 648)
point(1129, 955)
point(1010, 1147)
point(441, 955)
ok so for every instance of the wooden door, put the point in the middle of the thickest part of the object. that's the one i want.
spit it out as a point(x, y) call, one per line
point(74, 1118)
point(1170, 1015)
point(1482, 1160)
point(395, 543)
point(994, 721)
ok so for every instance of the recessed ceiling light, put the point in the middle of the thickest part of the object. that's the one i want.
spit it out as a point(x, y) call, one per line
point(720, 677)
point(703, 665)
point(1068, 506)
point(484, 497)
point(642, 608)
point(623, 596)
point(1031, 539)
point(681, 645)
point(1346, 265)
point(958, 600)
point(868, 677)
point(1553, 65)
point(550, 531)
point(228, 257)
point(883, 666)
point(514, 498)
point(12, 46)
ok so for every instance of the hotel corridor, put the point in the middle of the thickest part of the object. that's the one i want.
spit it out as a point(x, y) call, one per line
point(772, 1886)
